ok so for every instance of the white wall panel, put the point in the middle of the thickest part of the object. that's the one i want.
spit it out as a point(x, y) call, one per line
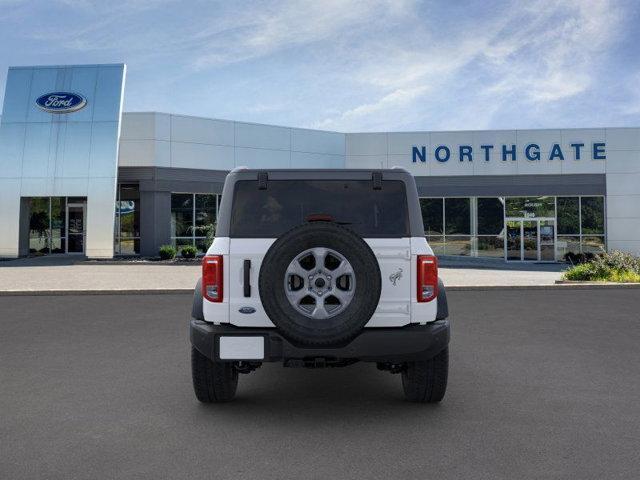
point(623, 139)
point(586, 165)
point(623, 183)
point(623, 161)
point(623, 206)
point(623, 229)
point(316, 160)
point(632, 246)
point(495, 165)
point(313, 141)
point(141, 153)
point(202, 130)
point(262, 158)
point(366, 161)
point(366, 144)
point(139, 126)
point(544, 138)
point(199, 155)
point(403, 143)
point(262, 136)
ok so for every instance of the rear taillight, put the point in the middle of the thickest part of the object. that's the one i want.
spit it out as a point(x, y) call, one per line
point(427, 278)
point(212, 278)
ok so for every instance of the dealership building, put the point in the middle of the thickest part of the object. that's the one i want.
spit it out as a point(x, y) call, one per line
point(79, 176)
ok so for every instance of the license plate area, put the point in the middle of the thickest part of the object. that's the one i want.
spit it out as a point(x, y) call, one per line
point(241, 347)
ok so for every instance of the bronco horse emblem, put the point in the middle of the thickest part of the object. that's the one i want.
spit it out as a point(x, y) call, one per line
point(394, 277)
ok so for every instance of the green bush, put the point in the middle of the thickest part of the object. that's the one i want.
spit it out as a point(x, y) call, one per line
point(188, 251)
point(607, 267)
point(167, 252)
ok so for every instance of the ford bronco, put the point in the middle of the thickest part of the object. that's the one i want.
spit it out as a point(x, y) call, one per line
point(319, 268)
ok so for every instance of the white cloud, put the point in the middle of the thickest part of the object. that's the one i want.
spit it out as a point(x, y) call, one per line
point(537, 54)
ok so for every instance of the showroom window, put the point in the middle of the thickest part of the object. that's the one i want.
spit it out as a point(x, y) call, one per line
point(127, 227)
point(490, 239)
point(192, 216)
point(581, 223)
point(57, 225)
point(47, 225)
point(447, 223)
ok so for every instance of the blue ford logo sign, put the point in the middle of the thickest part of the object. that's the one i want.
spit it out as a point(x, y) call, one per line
point(61, 102)
point(247, 310)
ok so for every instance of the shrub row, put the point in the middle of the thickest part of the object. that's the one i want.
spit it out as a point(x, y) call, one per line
point(614, 266)
point(167, 252)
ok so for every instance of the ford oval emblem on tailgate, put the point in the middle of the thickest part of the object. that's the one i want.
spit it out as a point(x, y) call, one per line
point(247, 310)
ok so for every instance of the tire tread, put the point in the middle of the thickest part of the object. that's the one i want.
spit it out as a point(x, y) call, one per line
point(213, 382)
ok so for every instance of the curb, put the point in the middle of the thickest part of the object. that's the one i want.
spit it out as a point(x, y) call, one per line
point(559, 285)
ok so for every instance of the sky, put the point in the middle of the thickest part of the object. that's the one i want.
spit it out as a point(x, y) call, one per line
point(351, 65)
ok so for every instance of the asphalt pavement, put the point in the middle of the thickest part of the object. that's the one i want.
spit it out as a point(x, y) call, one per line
point(543, 384)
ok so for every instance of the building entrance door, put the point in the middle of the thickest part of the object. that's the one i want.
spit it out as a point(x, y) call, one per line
point(76, 220)
point(532, 240)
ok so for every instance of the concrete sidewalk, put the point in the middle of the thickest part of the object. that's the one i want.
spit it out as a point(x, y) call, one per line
point(66, 274)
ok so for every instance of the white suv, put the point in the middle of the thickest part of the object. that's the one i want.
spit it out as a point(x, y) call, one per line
point(317, 268)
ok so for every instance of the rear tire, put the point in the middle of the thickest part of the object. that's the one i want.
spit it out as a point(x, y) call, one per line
point(213, 382)
point(426, 381)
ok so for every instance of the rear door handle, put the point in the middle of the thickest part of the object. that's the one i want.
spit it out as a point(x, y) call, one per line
point(247, 277)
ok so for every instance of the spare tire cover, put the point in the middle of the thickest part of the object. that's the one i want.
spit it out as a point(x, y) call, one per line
point(320, 284)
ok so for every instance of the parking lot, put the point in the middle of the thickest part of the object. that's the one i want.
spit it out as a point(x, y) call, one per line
point(543, 384)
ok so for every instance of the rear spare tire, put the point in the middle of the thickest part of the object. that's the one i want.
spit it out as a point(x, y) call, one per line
point(320, 284)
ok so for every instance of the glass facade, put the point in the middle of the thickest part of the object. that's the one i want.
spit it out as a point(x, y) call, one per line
point(127, 227)
point(191, 215)
point(534, 228)
point(56, 225)
point(581, 223)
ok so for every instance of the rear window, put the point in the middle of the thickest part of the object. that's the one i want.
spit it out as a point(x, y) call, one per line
point(287, 203)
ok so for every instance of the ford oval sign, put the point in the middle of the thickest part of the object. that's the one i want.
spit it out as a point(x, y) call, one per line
point(61, 102)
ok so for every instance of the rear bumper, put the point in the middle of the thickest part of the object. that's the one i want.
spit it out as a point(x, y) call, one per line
point(392, 345)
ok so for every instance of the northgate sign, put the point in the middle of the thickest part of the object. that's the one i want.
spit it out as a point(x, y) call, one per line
point(531, 152)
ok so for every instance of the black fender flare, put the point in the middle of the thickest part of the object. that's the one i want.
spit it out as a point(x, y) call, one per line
point(196, 308)
point(443, 306)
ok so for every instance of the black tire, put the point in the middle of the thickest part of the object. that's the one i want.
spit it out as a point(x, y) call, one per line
point(213, 381)
point(336, 330)
point(426, 381)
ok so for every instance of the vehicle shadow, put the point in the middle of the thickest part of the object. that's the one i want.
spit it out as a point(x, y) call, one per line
point(304, 397)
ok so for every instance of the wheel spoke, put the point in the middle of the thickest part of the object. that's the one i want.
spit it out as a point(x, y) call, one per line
point(343, 269)
point(319, 254)
point(297, 295)
point(344, 296)
point(296, 269)
point(320, 312)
